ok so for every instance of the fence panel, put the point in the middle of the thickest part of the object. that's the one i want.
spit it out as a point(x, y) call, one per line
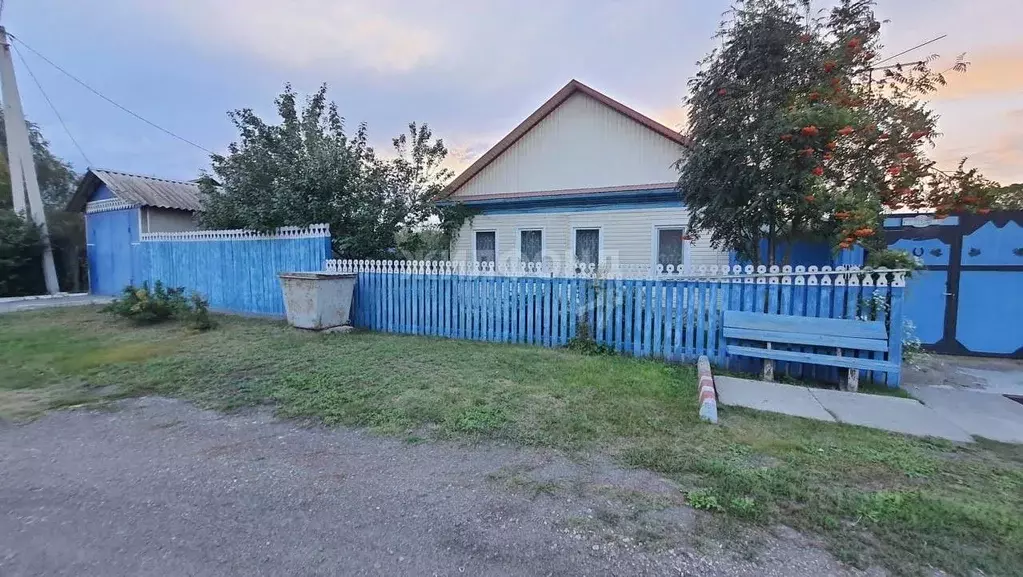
point(665, 314)
point(235, 270)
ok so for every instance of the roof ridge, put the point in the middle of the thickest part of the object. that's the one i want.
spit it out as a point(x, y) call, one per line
point(145, 176)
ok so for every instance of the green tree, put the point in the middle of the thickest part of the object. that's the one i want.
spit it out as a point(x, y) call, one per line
point(309, 169)
point(21, 251)
point(797, 135)
point(1007, 197)
point(57, 182)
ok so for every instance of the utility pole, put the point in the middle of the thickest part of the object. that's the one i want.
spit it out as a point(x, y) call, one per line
point(23, 168)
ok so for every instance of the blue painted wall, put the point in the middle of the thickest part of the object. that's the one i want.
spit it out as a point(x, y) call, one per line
point(234, 275)
point(110, 236)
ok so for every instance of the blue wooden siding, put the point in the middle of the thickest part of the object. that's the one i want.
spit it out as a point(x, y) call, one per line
point(235, 275)
point(110, 236)
point(674, 319)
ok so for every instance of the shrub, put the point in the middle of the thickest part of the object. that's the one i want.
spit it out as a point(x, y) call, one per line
point(584, 343)
point(143, 305)
point(199, 314)
point(704, 499)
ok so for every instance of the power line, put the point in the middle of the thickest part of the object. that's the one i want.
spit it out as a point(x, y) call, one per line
point(50, 102)
point(98, 93)
point(932, 40)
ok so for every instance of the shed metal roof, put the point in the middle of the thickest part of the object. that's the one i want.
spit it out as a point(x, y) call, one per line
point(137, 189)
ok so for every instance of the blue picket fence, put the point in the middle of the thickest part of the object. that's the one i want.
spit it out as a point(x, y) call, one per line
point(670, 315)
point(236, 269)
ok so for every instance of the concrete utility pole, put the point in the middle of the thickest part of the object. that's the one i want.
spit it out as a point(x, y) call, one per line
point(23, 168)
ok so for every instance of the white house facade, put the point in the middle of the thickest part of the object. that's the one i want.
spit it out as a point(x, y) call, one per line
point(586, 179)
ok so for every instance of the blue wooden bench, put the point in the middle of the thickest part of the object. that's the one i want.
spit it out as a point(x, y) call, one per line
point(760, 332)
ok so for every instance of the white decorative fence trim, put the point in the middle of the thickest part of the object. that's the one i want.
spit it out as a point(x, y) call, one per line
point(785, 275)
point(285, 232)
point(107, 205)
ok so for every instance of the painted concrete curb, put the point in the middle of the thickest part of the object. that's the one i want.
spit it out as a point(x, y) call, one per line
point(708, 394)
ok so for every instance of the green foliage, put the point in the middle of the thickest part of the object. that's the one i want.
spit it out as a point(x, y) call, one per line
point(704, 499)
point(199, 313)
point(893, 259)
point(67, 231)
point(584, 343)
point(795, 134)
point(311, 168)
point(21, 250)
point(143, 305)
point(1007, 197)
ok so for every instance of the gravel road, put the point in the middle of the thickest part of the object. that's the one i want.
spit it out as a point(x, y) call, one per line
point(162, 488)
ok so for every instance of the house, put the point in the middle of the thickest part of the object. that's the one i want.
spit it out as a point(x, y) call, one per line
point(585, 178)
point(118, 208)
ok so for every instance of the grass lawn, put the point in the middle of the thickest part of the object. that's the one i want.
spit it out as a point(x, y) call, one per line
point(873, 497)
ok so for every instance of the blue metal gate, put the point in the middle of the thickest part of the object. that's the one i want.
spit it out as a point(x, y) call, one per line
point(968, 299)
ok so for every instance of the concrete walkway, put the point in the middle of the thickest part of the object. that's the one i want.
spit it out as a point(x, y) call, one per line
point(13, 304)
point(895, 414)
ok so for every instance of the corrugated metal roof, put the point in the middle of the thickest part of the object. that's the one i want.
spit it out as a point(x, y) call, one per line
point(138, 189)
point(151, 191)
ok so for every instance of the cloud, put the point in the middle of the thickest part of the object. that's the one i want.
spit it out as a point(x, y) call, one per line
point(363, 34)
point(998, 154)
point(992, 72)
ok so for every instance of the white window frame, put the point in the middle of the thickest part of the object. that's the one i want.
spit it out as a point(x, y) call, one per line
point(543, 241)
point(602, 256)
point(655, 239)
point(474, 231)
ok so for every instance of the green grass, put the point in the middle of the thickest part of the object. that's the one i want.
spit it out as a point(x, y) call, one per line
point(874, 497)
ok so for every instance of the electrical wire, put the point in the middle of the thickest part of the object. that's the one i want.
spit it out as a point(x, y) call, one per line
point(932, 40)
point(98, 93)
point(52, 106)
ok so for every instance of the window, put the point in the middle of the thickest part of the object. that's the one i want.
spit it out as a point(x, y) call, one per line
point(587, 245)
point(531, 245)
point(486, 246)
point(671, 246)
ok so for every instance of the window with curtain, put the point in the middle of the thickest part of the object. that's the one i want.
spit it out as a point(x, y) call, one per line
point(486, 246)
point(587, 245)
point(671, 244)
point(531, 245)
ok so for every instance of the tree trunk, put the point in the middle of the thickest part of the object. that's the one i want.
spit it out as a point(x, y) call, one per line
point(771, 241)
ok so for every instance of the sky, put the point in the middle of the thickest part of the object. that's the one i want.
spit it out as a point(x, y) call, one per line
point(472, 69)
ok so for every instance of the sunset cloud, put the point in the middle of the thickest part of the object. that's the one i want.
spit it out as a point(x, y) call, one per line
point(993, 72)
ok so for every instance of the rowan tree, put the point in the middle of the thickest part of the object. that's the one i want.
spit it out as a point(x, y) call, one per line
point(800, 131)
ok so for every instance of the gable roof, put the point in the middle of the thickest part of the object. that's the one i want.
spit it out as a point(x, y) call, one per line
point(137, 189)
point(570, 89)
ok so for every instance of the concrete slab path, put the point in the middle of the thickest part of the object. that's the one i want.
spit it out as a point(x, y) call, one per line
point(14, 304)
point(893, 414)
point(982, 414)
point(774, 398)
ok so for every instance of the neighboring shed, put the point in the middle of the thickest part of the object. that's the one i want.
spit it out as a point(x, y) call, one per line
point(118, 208)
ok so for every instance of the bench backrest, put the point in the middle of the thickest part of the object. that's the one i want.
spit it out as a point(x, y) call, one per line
point(797, 330)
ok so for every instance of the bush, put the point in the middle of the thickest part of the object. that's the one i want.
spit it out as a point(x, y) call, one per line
point(143, 305)
point(21, 250)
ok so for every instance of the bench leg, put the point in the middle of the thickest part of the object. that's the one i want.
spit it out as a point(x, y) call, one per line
point(768, 372)
point(853, 380)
